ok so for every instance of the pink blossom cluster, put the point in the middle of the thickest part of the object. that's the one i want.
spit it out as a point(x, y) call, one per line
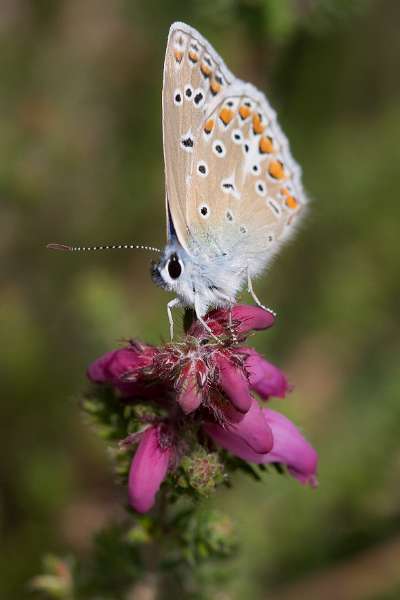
point(210, 384)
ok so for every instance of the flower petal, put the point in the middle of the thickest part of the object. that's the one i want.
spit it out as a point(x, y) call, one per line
point(189, 398)
point(264, 378)
point(114, 367)
point(253, 430)
point(232, 443)
point(148, 470)
point(291, 448)
point(98, 371)
point(242, 318)
point(234, 383)
point(111, 366)
point(190, 383)
point(252, 318)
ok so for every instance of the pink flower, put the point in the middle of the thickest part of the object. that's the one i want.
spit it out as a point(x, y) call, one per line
point(215, 377)
point(204, 386)
point(233, 381)
point(253, 430)
point(264, 378)
point(149, 467)
point(123, 368)
point(244, 319)
point(189, 385)
point(289, 447)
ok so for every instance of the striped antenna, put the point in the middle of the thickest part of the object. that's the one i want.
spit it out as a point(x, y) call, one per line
point(67, 248)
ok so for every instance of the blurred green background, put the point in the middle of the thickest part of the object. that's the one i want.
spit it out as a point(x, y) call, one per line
point(81, 161)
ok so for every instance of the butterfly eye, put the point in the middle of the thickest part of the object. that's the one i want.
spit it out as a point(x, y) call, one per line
point(174, 267)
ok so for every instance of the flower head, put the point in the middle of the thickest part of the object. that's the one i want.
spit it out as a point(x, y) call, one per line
point(206, 392)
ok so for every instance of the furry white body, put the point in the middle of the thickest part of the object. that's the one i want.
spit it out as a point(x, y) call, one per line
point(205, 282)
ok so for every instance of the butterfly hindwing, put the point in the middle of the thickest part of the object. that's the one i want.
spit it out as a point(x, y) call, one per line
point(194, 78)
point(245, 191)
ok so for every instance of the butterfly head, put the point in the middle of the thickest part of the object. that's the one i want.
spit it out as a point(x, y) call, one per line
point(170, 271)
point(181, 273)
point(196, 281)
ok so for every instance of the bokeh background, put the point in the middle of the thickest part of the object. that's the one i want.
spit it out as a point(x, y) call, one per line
point(81, 161)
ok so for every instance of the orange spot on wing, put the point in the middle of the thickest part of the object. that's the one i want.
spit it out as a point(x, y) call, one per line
point(276, 169)
point(266, 146)
point(290, 200)
point(194, 57)
point(178, 56)
point(215, 87)
point(208, 127)
point(226, 115)
point(205, 69)
point(244, 112)
point(258, 127)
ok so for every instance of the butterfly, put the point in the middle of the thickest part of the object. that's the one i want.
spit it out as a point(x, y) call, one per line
point(233, 191)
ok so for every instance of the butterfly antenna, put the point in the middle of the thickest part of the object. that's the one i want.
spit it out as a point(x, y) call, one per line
point(67, 248)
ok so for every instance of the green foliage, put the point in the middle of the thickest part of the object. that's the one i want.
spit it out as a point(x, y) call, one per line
point(205, 534)
point(57, 579)
point(201, 471)
point(180, 538)
point(114, 567)
point(278, 21)
point(108, 414)
point(179, 546)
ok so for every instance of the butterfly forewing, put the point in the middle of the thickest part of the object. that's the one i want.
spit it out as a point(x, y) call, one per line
point(194, 78)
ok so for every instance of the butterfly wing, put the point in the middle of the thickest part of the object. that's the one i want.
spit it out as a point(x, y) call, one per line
point(245, 194)
point(233, 189)
point(194, 76)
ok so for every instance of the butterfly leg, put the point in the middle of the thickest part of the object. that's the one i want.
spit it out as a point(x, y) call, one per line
point(230, 325)
point(253, 295)
point(171, 304)
point(202, 321)
point(207, 328)
point(230, 302)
